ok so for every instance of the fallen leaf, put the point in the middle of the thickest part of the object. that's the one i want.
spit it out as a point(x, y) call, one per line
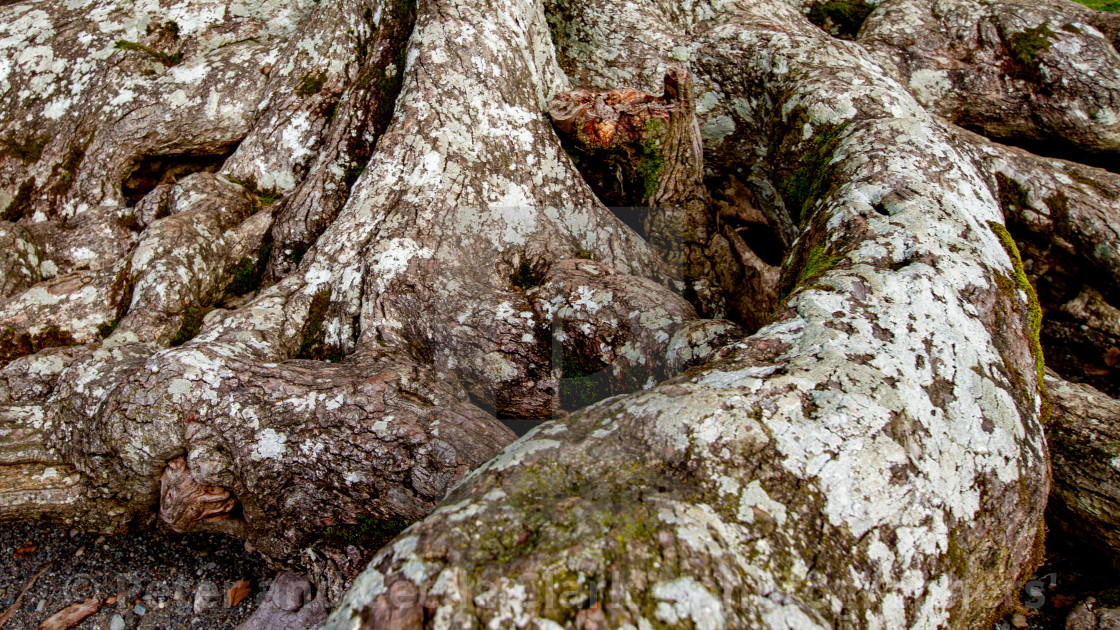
point(1112, 357)
point(26, 548)
point(237, 592)
point(1061, 602)
point(1097, 371)
point(71, 616)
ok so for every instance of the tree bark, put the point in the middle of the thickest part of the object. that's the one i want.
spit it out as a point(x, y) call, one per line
point(277, 269)
point(1084, 441)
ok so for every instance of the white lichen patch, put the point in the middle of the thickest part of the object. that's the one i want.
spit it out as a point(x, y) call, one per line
point(392, 259)
point(270, 445)
point(686, 600)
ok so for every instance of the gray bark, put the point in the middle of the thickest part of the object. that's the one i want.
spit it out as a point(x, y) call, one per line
point(277, 268)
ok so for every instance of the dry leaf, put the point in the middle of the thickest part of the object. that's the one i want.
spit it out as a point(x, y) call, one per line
point(1097, 371)
point(238, 592)
point(71, 616)
point(1061, 602)
point(1112, 357)
point(26, 548)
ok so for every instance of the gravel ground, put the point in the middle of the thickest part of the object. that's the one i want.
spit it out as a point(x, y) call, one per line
point(153, 577)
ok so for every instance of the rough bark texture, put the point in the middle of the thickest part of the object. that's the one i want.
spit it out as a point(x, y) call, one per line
point(734, 496)
point(277, 267)
point(1084, 439)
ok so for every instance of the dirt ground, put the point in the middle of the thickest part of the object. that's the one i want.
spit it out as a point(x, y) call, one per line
point(152, 576)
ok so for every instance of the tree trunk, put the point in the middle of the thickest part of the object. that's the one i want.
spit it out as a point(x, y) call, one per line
point(278, 269)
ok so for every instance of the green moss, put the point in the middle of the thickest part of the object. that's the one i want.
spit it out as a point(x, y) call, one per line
point(528, 274)
point(1027, 45)
point(558, 507)
point(818, 262)
point(369, 532)
point(258, 197)
point(330, 108)
point(191, 324)
point(1102, 5)
point(1024, 48)
point(842, 18)
point(649, 167)
point(104, 330)
point(167, 59)
point(616, 504)
point(248, 272)
point(812, 175)
point(585, 255)
point(311, 83)
point(313, 336)
point(246, 276)
point(362, 42)
point(1034, 310)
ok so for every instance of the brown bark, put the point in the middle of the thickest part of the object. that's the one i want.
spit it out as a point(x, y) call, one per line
point(278, 271)
point(1084, 441)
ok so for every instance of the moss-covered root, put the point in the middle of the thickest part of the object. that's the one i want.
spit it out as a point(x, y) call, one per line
point(1033, 309)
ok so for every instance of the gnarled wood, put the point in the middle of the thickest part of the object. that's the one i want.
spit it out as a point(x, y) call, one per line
point(287, 262)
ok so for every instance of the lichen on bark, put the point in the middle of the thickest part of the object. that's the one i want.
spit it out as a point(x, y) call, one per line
point(284, 285)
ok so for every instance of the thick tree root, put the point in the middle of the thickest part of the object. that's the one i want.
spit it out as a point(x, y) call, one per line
point(1084, 441)
point(322, 261)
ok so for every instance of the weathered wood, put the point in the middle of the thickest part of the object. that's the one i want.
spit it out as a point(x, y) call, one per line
point(1084, 440)
point(846, 466)
point(287, 263)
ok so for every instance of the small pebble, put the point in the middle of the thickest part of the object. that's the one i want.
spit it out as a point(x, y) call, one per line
point(42, 605)
point(1019, 620)
point(140, 609)
point(116, 623)
point(206, 596)
point(100, 539)
point(79, 552)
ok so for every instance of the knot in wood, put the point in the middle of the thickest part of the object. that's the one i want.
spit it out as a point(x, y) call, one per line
point(184, 502)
